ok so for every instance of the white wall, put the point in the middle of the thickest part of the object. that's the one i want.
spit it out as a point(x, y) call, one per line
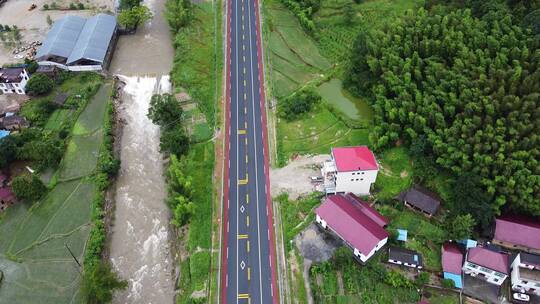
point(516, 280)
point(492, 276)
point(320, 221)
point(366, 257)
point(357, 182)
point(15, 88)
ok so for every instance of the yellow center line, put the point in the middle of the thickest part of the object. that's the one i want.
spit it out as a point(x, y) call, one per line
point(247, 220)
point(241, 131)
point(246, 159)
point(249, 273)
point(243, 296)
point(243, 181)
point(247, 245)
point(247, 198)
point(242, 236)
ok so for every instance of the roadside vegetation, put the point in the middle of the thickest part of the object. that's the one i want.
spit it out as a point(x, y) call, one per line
point(190, 173)
point(59, 238)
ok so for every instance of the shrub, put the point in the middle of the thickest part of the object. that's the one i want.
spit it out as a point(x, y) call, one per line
point(99, 283)
point(299, 103)
point(39, 84)
point(447, 283)
point(80, 6)
point(45, 6)
point(28, 187)
point(72, 6)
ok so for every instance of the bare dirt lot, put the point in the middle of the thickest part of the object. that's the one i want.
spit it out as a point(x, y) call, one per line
point(33, 23)
point(294, 178)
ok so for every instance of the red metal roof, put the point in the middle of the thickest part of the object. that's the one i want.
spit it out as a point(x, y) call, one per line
point(367, 209)
point(518, 230)
point(351, 223)
point(354, 158)
point(489, 259)
point(452, 258)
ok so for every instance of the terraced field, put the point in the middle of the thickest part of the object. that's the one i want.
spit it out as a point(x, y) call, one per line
point(294, 56)
point(34, 239)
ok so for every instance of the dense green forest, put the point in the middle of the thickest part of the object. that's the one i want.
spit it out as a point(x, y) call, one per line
point(460, 84)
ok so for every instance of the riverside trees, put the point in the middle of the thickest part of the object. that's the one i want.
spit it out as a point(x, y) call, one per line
point(470, 86)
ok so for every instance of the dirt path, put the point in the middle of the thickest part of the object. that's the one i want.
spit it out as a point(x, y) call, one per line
point(140, 247)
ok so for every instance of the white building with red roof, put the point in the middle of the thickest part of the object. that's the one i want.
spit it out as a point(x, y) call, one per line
point(486, 264)
point(351, 169)
point(359, 225)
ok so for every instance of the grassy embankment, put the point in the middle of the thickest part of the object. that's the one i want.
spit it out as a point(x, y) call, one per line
point(193, 72)
point(34, 237)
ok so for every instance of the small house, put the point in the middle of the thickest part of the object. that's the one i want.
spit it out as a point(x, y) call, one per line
point(420, 199)
point(14, 122)
point(525, 273)
point(518, 233)
point(13, 80)
point(452, 261)
point(487, 265)
point(350, 169)
point(359, 225)
point(405, 257)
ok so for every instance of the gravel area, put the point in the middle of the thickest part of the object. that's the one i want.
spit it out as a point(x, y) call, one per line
point(33, 24)
point(316, 245)
point(294, 178)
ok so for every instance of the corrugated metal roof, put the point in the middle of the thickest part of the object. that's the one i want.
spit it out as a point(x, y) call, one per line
point(351, 223)
point(62, 37)
point(94, 39)
point(77, 38)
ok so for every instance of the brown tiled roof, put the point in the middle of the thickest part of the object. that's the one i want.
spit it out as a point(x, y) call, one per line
point(9, 75)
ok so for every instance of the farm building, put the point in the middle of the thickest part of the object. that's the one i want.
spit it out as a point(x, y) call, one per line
point(487, 265)
point(13, 80)
point(359, 225)
point(405, 257)
point(525, 273)
point(420, 199)
point(351, 169)
point(452, 261)
point(78, 44)
point(519, 233)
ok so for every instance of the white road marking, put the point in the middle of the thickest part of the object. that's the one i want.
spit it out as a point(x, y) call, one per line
point(256, 158)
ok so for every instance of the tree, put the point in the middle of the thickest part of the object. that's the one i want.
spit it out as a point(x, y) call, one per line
point(39, 84)
point(8, 151)
point(349, 13)
point(422, 279)
point(133, 17)
point(99, 283)
point(28, 187)
point(299, 103)
point(165, 110)
point(127, 4)
point(460, 227)
point(179, 13)
point(31, 65)
point(447, 283)
point(174, 140)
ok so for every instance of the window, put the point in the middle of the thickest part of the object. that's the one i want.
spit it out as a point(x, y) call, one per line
point(353, 173)
point(486, 270)
point(357, 179)
point(352, 179)
point(361, 179)
point(471, 265)
point(500, 275)
point(495, 280)
point(363, 172)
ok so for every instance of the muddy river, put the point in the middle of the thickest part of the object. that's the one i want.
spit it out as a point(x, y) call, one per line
point(140, 239)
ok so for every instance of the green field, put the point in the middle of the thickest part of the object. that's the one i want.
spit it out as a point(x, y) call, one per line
point(361, 284)
point(395, 174)
point(36, 264)
point(294, 56)
point(316, 134)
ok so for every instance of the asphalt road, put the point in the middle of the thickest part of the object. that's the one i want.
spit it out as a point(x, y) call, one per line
point(248, 270)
